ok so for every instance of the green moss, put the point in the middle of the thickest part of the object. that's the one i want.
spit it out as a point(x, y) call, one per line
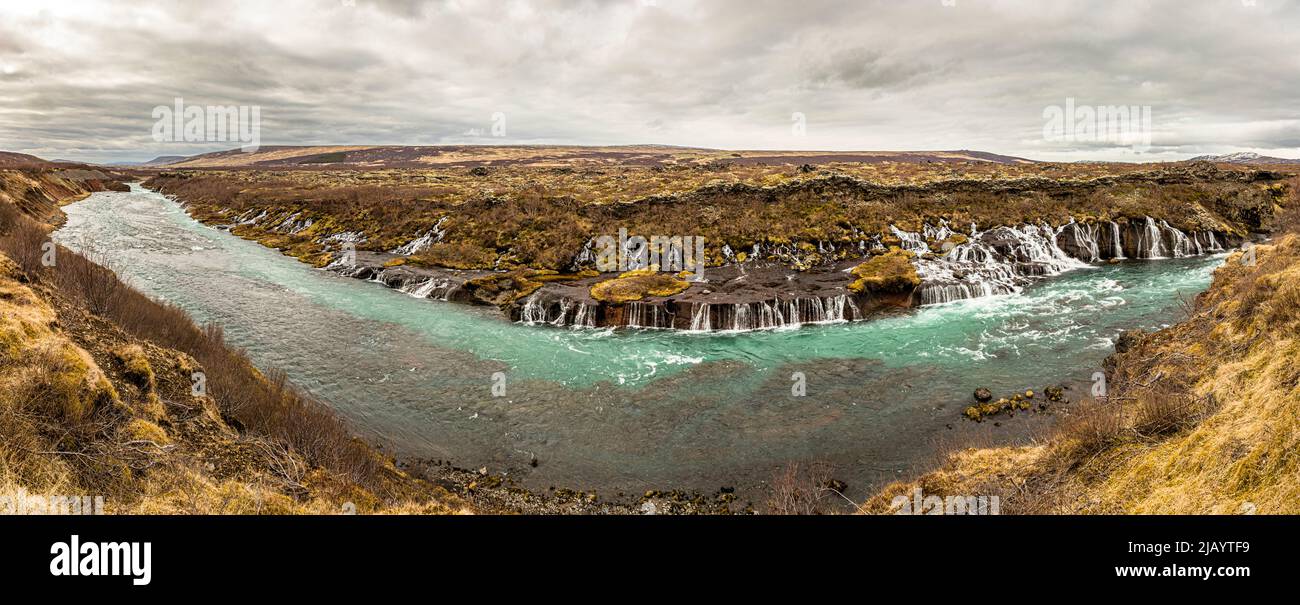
point(888, 273)
point(135, 367)
point(636, 285)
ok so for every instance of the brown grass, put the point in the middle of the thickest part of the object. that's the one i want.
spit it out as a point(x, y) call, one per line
point(1203, 417)
point(261, 404)
point(540, 217)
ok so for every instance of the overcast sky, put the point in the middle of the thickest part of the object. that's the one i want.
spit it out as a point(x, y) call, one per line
point(80, 79)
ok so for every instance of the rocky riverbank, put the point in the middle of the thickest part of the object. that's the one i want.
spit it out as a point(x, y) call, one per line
point(878, 249)
point(947, 266)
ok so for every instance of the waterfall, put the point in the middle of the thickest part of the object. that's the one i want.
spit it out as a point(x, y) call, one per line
point(533, 311)
point(434, 287)
point(583, 317)
point(1148, 240)
point(997, 261)
point(1086, 238)
point(700, 321)
point(434, 235)
point(1117, 245)
point(643, 315)
point(563, 313)
point(912, 242)
point(762, 315)
point(741, 319)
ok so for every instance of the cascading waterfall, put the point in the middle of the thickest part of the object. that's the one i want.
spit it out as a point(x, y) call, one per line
point(1003, 259)
point(1086, 236)
point(433, 288)
point(533, 312)
point(560, 312)
point(584, 317)
point(644, 315)
point(700, 321)
point(1149, 239)
point(434, 235)
point(997, 261)
point(764, 315)
point(912, 242)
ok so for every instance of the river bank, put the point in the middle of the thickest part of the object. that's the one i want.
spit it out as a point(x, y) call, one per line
point(637, 410)
point(879, 249)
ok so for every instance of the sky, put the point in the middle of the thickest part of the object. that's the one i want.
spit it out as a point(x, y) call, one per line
point(81, 79)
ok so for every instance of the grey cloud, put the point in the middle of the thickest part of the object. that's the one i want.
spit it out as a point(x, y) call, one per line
point(80, 82)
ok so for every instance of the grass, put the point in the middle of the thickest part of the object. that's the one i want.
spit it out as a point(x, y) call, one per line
point(1201, 418)
point(540, 217)
point(96, 397)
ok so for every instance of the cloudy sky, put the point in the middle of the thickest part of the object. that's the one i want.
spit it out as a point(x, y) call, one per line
point(81, 79)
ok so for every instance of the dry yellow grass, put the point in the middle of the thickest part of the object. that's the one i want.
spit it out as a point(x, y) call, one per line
point(73, 426)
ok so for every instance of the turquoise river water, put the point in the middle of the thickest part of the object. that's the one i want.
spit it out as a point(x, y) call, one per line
point(634, 410)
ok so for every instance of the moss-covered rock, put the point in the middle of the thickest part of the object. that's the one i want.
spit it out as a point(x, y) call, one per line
point(891, 272)
point(638, 284)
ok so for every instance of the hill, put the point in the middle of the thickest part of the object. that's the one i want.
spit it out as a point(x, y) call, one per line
point(1244, 157)
point(469, 156)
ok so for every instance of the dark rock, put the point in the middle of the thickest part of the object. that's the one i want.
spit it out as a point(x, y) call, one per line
point(983, 395)
point(1129, 339)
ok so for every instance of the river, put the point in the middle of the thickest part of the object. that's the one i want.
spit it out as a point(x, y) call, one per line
point(635, 410)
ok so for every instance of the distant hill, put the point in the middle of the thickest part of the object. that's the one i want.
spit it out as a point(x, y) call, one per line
point(1244, 157)
point(161, 160)
point(393, 156)
point(9, 159)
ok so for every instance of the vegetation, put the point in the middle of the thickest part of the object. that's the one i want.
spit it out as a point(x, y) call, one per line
point(1202, 417)
point(891, 272)
point(98, 396)
point(636, 285)
point(534, 216)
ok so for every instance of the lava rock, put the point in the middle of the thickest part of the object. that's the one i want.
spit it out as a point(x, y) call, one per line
point(1129, 339)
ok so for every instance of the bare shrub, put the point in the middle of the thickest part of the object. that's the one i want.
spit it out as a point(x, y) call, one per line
point(22, 239)
point(265, 405)
point(800, 489)
point(1089, 429)
point(88, 276)
point(1165, 413)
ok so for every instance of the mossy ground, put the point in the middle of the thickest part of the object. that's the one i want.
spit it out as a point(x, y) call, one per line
point(637, 285)
point(532, 217)
point(891, 272)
